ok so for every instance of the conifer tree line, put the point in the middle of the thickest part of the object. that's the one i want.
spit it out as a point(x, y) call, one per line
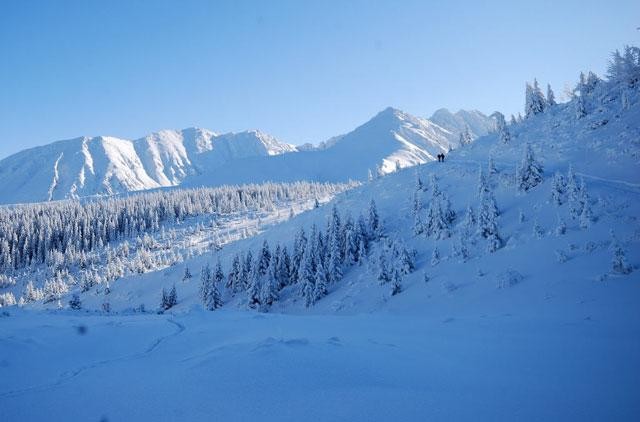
point(38, 233)
point(315, 261)
point(623, 74)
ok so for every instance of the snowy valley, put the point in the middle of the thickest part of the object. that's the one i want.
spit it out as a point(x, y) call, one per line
point(500, 284)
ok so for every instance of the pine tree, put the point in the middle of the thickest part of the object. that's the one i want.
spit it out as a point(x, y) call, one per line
point(218, 276)
point(551, 98)
point(206, 280)
point(75, 302)
point(558, 189)
point(465, 136)
point(435, 257)
point(264, 259)
point(502, 130)
point(561, 228)
point(383, 269)
point(254, 290)
point(534, 100)
point(306, 276)
point(529, 173)
point(538, 231)
point(581, 106)
point(586, 217)
point(335, 268)
point(396, 280)
point(271, 286)
point(487, 221)
point(574, 196)
point(461, 247)
point(215, 299)
point(406, 261)
point(439, 214)
point(374, 221)
point(187, 274)
point(619, 263)
point(173, 296)
point(284, 268)
point(320, 287)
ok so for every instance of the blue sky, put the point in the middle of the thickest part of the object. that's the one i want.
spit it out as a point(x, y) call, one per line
point(300, 70)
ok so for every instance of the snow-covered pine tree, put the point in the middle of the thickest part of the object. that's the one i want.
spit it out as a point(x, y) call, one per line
point(374, 221)
point(483, 183)
point(435, 257)
point(264, 259)
point(465, 136)
point(574, 195)
point(173, 296)
point(187, 274)
point(271, 286)
point(254, 291)
point(406, 261)
point(439, 213)
point(488, 221)
point(299, 245)
point(75, 302)
point(218, 275)
point(460, 246)
point(306, 276)
point(396, 282)
point(235, 277)
point(502, 130)
point(284, 268)
point(529, 173)
point(534, 100)
point(586, 216)
point(619, 263)
point(551, 98)
point(581, 106)
point(215, 298)
point(538, 231)
point(558, 189)
point(320, 287)
point(384, 275)
point(206, 280)
point(335, 266)
point(491, 168)
point(561, 228)
point(416, 210)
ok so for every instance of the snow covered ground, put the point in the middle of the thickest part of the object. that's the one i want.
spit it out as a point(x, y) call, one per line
point(530, 353)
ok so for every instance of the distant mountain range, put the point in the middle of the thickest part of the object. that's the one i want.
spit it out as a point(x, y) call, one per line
point(106, 165)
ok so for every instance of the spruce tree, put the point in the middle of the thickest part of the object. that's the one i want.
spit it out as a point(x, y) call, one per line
point(529, 172)
point(75, 302)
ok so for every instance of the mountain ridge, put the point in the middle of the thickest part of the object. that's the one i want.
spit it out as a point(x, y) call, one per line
point(107, 165)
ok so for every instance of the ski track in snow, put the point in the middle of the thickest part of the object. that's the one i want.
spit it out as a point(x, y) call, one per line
point(70, 375)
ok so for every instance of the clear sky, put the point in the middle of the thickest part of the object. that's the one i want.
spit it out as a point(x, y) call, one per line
point(299, 70)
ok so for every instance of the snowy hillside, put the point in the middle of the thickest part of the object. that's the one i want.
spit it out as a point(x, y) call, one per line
point(501, 284)
point(198, 157)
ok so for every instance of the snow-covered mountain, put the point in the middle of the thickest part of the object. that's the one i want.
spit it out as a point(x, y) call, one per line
point(107, 165)
point(478, 123)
